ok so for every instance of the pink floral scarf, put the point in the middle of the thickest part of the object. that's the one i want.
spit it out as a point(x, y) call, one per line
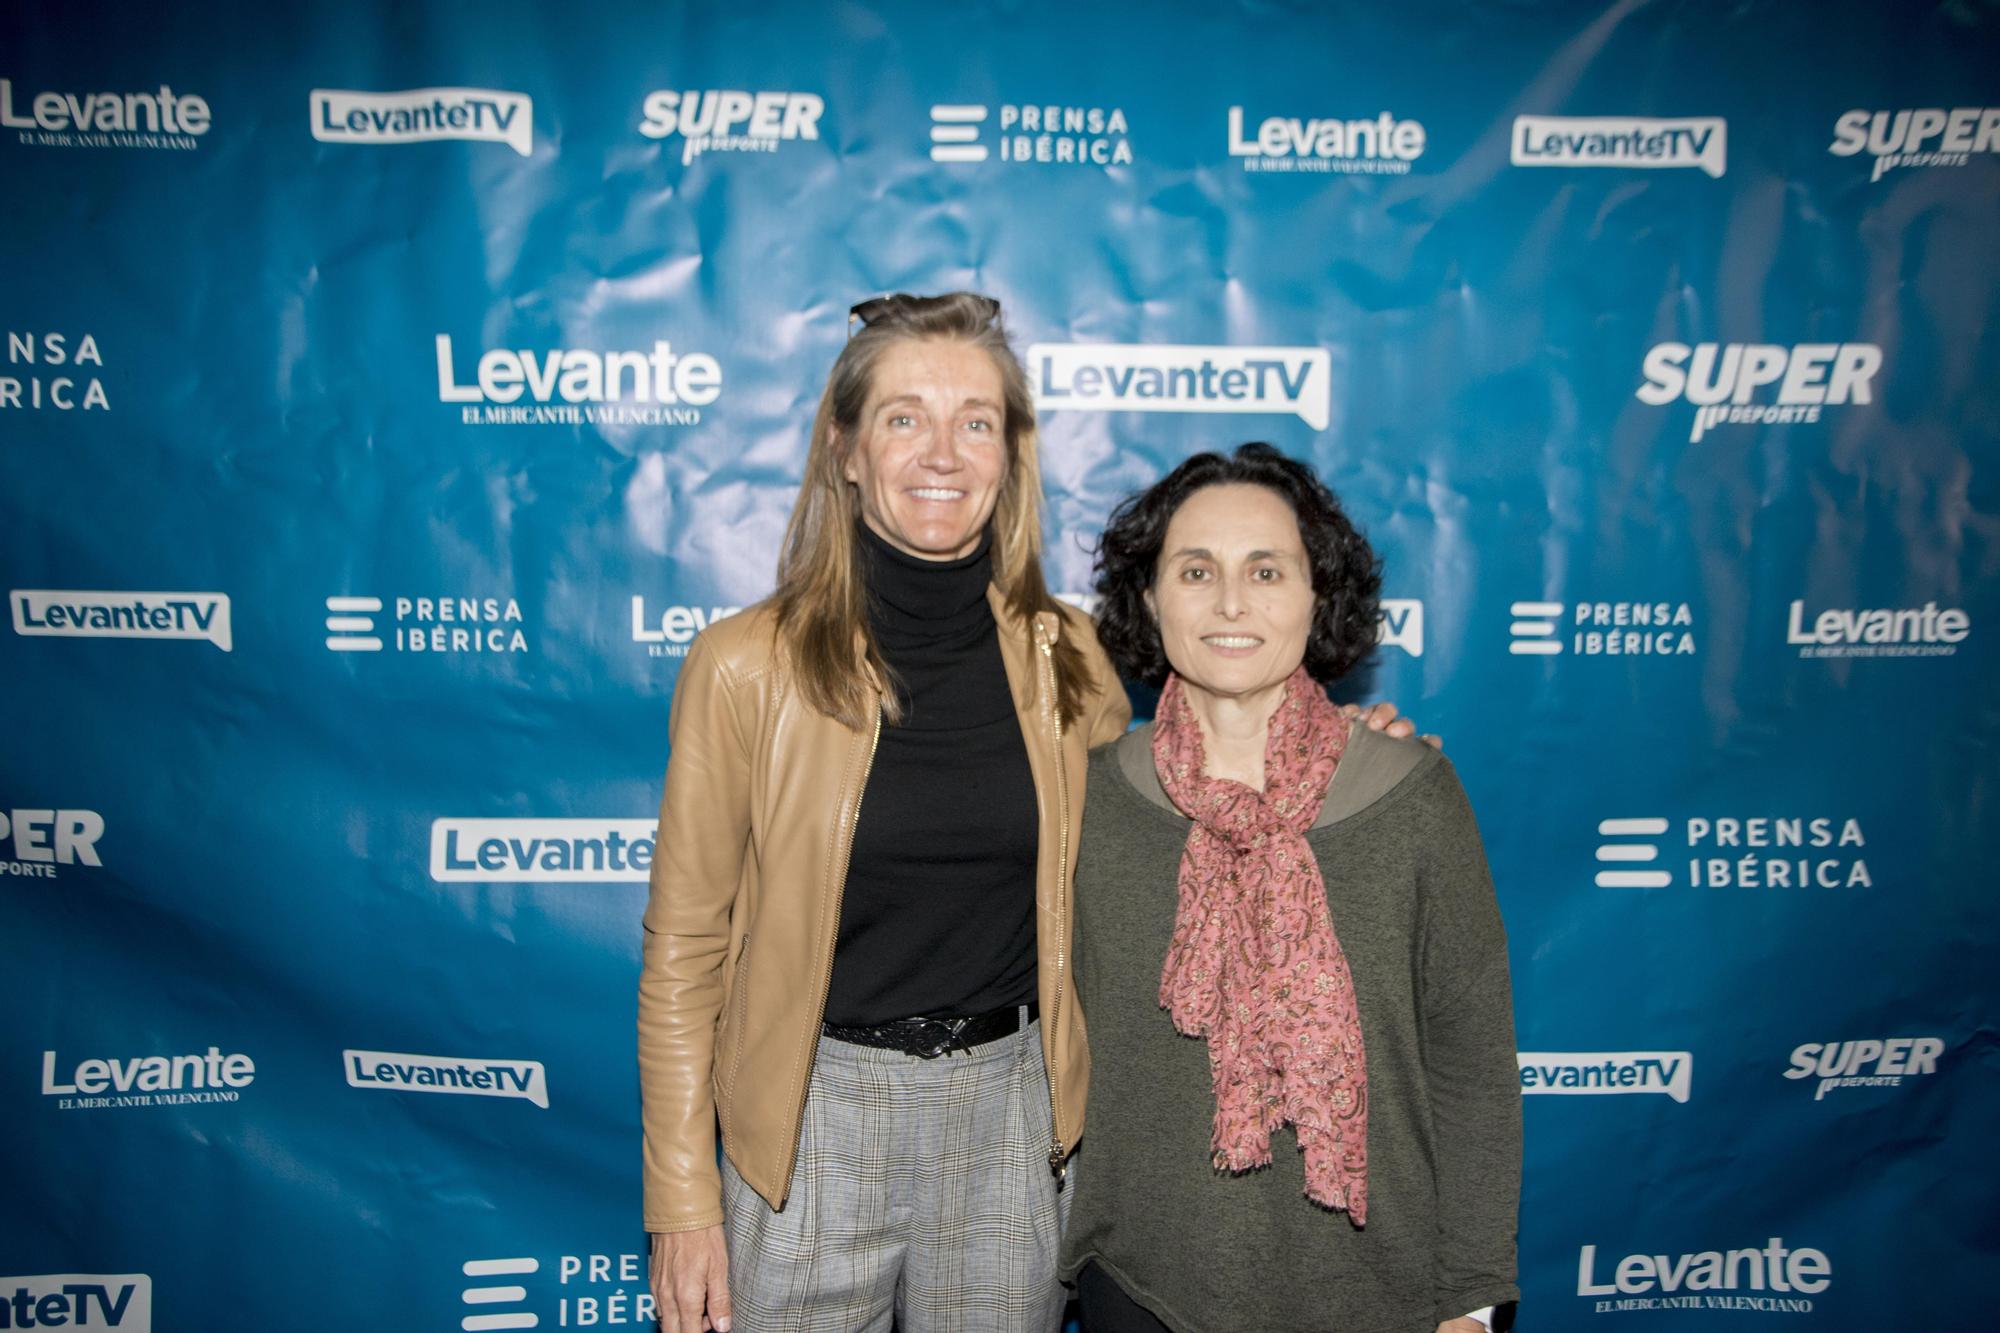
point(1254, 966)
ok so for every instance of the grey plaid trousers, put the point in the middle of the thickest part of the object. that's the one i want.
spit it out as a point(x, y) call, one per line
point(922, 1196)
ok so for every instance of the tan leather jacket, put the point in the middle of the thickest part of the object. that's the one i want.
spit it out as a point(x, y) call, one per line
point(758, 817)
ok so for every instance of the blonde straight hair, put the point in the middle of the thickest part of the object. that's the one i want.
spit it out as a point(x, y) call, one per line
point(822, 603)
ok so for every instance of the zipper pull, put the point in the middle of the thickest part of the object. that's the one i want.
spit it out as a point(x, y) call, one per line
point(1058, 1165)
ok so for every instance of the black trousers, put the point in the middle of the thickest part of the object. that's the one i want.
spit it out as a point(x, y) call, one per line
point(1107, 1309)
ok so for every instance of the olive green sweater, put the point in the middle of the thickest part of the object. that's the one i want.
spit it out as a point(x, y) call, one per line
point(1413, 906)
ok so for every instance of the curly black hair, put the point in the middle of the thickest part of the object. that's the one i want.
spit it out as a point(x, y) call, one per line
point(1346, 575)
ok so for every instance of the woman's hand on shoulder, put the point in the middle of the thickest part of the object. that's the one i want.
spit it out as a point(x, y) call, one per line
point(1383, 717)
point(1465, 1323)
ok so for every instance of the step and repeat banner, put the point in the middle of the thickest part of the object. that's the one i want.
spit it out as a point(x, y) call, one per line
point(391, 392)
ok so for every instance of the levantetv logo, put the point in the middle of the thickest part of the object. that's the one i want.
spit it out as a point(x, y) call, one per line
point(1606, 1073)
point(1382, 146)
point(542, 851)
point(1119, 377)
point(123, 1301)
point(727, 120)
point(1903, 138)
point(421, 115)
point(396, 1071)
point(1718, 1274)
point(1400, 624)
point(122, 615)
point(1908, 631)
point(1622, 141)
point(107, 120)
point(1722, 379)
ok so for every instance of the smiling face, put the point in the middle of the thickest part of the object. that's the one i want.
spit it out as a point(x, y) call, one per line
point(1233, 594)
point(931, 450)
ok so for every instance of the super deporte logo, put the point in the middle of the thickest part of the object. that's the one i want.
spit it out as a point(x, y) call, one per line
point(163, 119)
point(123, 1301)
point(43, 370)
point(38, 841)
point(423, 115)
point(1722, 380)
point(577, 386)
point(1905, 138)
point(728, 120)
point(146, 1080)
point(1382, 145)
point(1119, 377)
point(98, 614)
point(1872, 1062)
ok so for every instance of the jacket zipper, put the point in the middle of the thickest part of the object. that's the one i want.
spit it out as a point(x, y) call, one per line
point(1058, 1159)
point(833, 940)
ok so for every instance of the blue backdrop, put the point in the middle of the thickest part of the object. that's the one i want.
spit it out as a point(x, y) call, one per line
point(390, 392)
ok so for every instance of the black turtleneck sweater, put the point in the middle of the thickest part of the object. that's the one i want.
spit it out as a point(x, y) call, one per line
point(938, 916)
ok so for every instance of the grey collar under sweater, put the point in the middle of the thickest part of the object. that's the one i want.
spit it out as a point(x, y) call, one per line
point(1372, 765)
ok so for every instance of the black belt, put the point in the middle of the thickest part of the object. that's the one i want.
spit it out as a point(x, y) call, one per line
point(928, 1038)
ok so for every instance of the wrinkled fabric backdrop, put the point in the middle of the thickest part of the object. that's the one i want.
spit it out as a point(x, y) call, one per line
point(391, 392)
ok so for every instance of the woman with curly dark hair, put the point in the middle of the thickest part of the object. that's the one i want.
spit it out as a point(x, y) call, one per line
point(1309, 901)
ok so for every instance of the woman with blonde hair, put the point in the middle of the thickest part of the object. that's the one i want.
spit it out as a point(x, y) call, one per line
point(856, 951)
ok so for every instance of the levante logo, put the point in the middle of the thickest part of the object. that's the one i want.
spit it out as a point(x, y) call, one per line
point(1907, 631)
point(146, 1080)
point(672, 631)
point(65, 119)
point(542, 851)
point(1772, 1278)
point(1382, 146)
point(577, 387)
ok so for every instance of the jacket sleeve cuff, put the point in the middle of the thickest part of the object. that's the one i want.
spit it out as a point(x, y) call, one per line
point(666, 1226)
